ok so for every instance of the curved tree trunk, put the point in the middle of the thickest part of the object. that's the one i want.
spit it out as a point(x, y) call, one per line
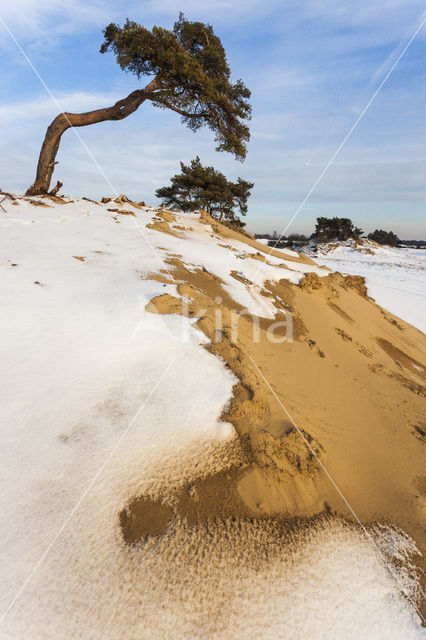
point(49, 149)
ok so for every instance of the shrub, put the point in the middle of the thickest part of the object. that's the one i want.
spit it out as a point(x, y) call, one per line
point(384, 237)
point(335, 229)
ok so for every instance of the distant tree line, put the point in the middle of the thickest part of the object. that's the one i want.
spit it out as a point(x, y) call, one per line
point(415, 244)
point(334, 229)
point(326, 230)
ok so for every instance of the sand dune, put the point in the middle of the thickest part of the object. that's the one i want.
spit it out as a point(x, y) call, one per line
point(151, 347)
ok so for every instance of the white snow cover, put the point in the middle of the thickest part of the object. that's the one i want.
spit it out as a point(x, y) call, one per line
point(395, 277)
point(103, 401)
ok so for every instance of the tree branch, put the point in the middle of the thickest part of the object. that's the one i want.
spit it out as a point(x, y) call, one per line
point(203, 114)
point(118, 111)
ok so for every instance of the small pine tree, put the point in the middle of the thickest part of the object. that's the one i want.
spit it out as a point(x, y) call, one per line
point(198, 187)
point(335, 229)
point(384, 237)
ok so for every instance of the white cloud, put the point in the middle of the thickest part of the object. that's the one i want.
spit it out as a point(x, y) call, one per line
point(384, 20)
point(44, 107)
point(40, 24)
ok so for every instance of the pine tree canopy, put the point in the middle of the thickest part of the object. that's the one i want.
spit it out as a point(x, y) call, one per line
point(190, 75)
point(335, 229)
point(384, 237)
point(198, 187)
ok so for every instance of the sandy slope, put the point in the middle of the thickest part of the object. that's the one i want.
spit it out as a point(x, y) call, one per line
point(395, 276)
point(190, 516)
point(352, 380)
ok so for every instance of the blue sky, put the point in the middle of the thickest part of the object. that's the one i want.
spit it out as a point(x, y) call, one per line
point(312, 65)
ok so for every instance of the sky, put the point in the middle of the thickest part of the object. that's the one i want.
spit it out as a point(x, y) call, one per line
point(312, 66)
